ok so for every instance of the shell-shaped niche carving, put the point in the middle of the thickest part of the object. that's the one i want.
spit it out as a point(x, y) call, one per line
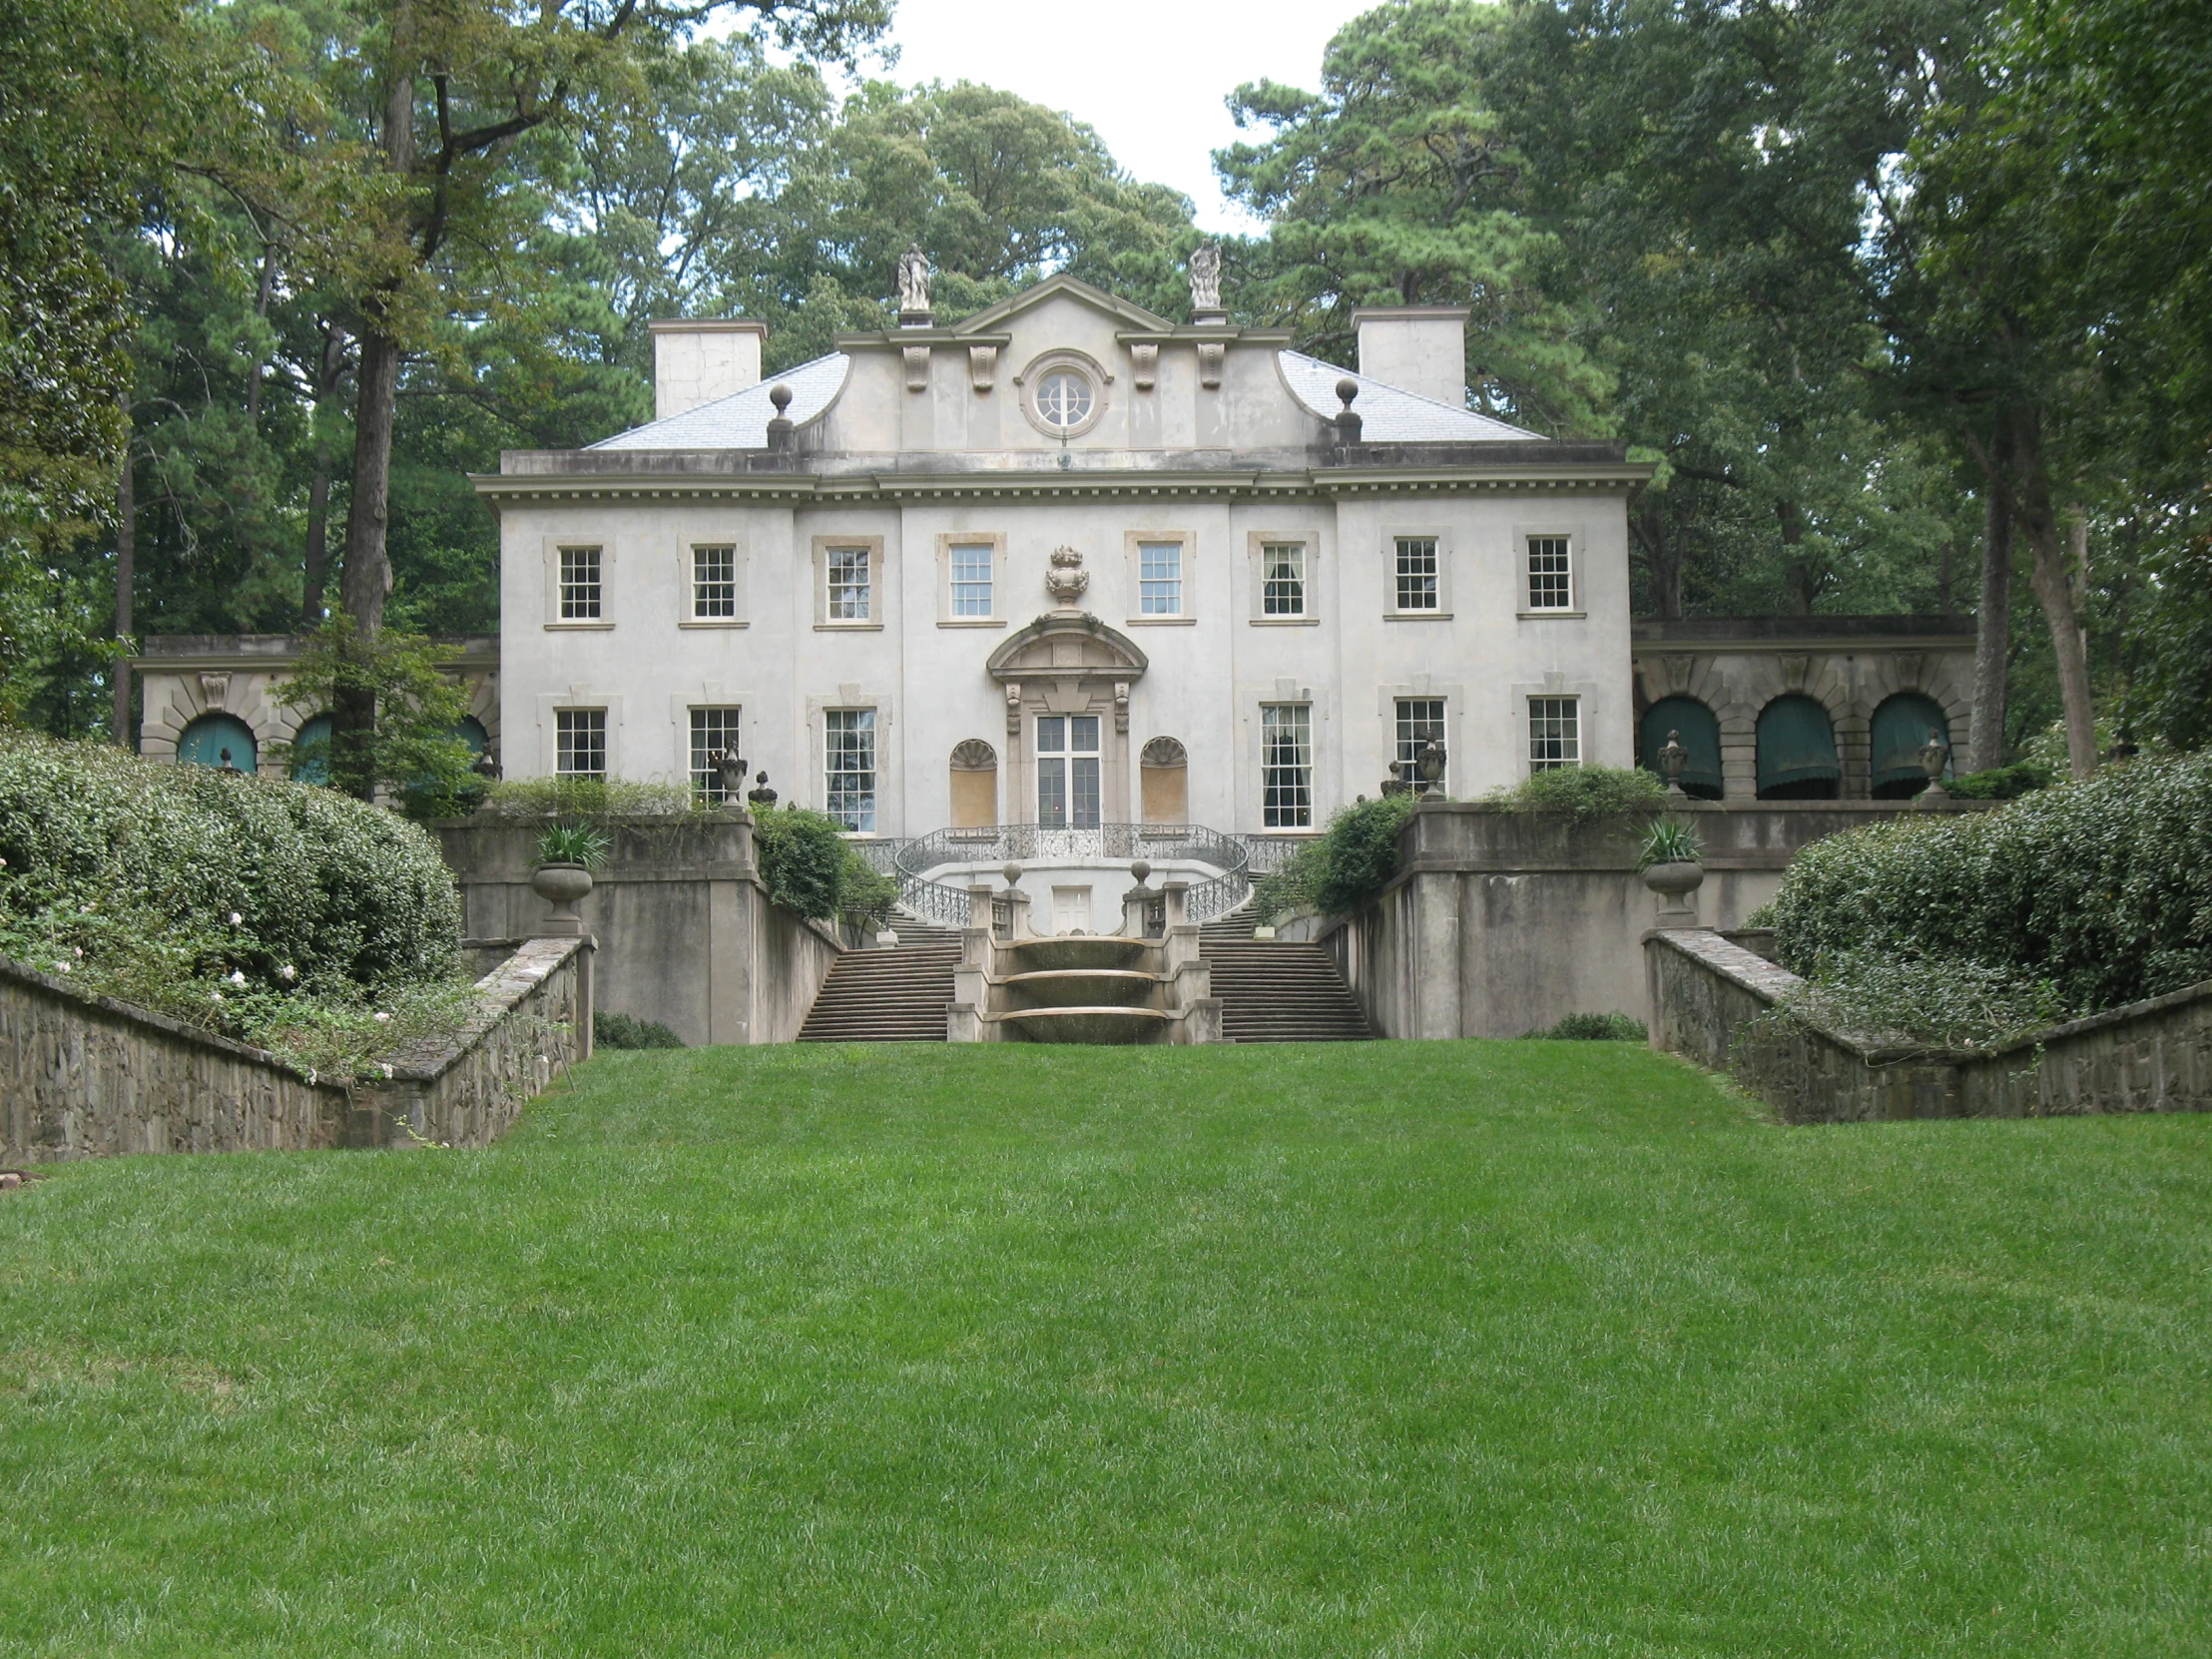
point(1164, 752)
point(975, 754)
point(1067, 578)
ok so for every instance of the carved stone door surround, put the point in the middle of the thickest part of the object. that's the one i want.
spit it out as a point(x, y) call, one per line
point(1067, 662)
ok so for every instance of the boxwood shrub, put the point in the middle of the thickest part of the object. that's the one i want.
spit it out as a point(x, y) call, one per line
point(107, 851)
point(2101, 889)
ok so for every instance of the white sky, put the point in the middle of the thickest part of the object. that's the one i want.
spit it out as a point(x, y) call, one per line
point(1149, 74)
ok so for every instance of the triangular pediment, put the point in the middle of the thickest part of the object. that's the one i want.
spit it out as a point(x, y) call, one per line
point(994, 319)
point(1067, 645)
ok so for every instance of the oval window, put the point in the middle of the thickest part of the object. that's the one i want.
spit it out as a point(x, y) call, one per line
point(1063, 398)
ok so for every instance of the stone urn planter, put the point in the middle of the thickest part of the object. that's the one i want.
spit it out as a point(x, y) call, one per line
point(1674, 882)
point(563, 886)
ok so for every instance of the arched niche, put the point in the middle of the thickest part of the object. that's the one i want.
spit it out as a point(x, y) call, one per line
point(1797, 752)
point(1164, 776)
point(1701, 735)
point(1900, 731)
point(221, 741)
point(310, 751)
point(974, 784)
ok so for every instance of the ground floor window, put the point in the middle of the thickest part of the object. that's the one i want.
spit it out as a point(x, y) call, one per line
point(580, 743)
point(1554, 732)
point(712, 732)
point(1420, 721)
point(1067, 771)
point(848, 749)
point(1287, 765)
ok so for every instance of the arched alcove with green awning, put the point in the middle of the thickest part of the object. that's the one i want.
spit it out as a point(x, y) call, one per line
point(1797, 752)
point(471, 731)
point(1901, 728)
point(1701, 735)
point(310, 751)
point(222, 741)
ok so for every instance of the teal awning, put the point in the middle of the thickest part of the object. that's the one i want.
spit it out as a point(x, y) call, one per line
point(310, 751)
point(1901, 728)
point(1701, 735)
point(1796, 748)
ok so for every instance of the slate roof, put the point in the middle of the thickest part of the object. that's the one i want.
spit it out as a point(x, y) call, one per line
point(1388, 413)
point(740, 421)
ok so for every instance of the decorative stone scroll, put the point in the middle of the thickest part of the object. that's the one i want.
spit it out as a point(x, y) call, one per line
point(982, 367)
point(1144, 364)
point(917, 367)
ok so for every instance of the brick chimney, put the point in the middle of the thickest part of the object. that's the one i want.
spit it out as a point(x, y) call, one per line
point(1419, 348)
point(698, 361)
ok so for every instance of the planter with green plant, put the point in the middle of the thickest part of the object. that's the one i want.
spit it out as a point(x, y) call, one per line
point(567, 854)
point(1672, 861)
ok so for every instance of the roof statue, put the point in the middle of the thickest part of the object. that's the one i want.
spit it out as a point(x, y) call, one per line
point(913, 280)
point(1206, 276)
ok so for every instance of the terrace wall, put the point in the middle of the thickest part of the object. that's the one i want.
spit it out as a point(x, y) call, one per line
point(1709, 997)
point(88, 1076)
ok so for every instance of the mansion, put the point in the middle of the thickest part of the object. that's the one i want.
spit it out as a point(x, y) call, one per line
point(1066, 563)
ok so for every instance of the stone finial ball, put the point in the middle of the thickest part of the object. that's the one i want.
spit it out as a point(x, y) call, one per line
point(780, 395)
point(1012, 873)
point(1347, 389)
point(1140, 872)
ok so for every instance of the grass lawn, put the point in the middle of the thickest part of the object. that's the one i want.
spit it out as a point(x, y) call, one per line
point(1481, 1348)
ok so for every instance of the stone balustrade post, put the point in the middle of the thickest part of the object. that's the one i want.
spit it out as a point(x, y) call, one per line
point(1178, 903)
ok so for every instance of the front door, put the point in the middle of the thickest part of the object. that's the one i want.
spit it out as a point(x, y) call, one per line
point(1067, 771)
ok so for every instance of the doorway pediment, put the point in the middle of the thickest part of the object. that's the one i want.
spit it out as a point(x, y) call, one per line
point(1067, 645)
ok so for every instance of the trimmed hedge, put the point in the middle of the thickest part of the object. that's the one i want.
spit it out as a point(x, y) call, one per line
point(333, 889)
point(2104, 888)
point(1343, 869)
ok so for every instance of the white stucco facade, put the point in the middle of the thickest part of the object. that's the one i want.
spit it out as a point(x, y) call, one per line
point(921, 457)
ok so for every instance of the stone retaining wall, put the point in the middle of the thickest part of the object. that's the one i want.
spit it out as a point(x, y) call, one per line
point(88, 1076)
point(1708, 995)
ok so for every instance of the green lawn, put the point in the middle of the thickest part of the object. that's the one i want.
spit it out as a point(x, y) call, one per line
point(1481, 1348)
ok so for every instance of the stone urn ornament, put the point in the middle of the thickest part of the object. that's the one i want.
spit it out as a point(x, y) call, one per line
point(1672, 759)
point(763, 796)
point(566, 855)
point(1935, 755)
point(1672, 862)
point(1067, 578)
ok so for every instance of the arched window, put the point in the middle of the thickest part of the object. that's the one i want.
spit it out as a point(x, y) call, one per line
point(1701, 735)
point(1797, 752)
point(310, 751)
point(974, 784)
point(1901, 728)
point(1164, 771)
point(221, 741)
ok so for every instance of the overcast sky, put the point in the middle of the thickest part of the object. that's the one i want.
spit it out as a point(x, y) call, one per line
point(1149, 74)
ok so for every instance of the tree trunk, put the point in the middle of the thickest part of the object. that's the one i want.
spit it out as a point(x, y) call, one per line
point(366, 582)
point(126, 575)
point(260, 310)
point(2038, 521)
point(318, 545)
point(1662, 560)
point(1993, 635)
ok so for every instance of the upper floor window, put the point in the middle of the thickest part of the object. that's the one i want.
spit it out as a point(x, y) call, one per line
point(1416, 573)
point(972, 579)
point(1420, 721)
point(850, 598)
point(578, 584)
point(714, 583)
point(1160, 578)
point(580, 743)
point(1283, 579)
point(1064, 399)
point(849, 767)
point(1554, 732)
point(713, 732)
point(1550, 580)
point(1286, 766)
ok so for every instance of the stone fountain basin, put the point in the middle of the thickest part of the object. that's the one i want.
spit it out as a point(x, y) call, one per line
point(1088, 1026)
point(1082, 988)
point(1052, 956)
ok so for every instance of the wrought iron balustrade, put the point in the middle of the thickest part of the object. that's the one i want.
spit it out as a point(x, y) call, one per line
point(992, 845)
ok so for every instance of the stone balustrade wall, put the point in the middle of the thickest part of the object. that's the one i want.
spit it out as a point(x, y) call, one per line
point(85, 1076)
point(1715, 1002)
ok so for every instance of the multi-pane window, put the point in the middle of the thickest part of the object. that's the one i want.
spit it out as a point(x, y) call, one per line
point(972, 579)
point(578, 584)
point(1416, 573)
point(580, 743)
point(1160, 578)
point(712, 731)
point(1550, 585)
point(714, 583)
point(1067, 771)
point(1283, 579)
point(1554, 733)
point(1420, 719)
point(850, 598)
point(848, 765)
point(1286, 766)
